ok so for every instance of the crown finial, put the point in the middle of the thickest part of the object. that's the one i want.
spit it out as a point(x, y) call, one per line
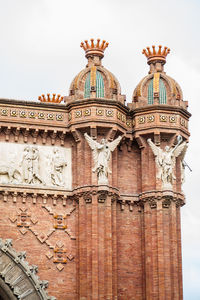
point(94, 49)
point(154, 56)
point(54, 99)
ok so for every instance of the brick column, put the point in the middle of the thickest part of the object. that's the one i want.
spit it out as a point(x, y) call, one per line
point(162, 253)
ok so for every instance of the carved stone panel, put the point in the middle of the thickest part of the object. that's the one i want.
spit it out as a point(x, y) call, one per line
point(35, 165)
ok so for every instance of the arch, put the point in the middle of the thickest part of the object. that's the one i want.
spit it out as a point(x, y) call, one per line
point(87, 86)
point(162, 92)
point(18, 280)
point(99, 85)
point(150, 92)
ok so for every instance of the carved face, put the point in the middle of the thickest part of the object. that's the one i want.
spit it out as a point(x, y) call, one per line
point(56, 150)
point(103, 142)
point(167, 148)
point(27, 149)
point(35, 149)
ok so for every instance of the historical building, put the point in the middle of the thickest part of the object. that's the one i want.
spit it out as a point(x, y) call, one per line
point(90, 188)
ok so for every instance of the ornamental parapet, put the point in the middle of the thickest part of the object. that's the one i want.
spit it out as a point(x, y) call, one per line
point(159, 118)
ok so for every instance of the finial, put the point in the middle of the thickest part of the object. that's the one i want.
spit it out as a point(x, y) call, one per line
point(156, 56)
point(54, 99)
point(94, 49)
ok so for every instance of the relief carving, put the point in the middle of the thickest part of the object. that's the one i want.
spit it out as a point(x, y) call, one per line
point(35, 165)
point(101, 156)
point(166, 160)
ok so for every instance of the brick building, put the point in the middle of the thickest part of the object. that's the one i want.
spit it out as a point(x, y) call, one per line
point(90, 188)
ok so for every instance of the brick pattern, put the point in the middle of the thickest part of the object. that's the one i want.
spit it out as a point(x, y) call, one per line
point(120, 241)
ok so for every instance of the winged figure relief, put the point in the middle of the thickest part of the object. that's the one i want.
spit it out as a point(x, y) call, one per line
point(101, 155)
point(166, 160)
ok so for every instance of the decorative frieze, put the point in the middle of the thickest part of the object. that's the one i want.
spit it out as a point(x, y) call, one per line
point(31, 114)
point(35, 165)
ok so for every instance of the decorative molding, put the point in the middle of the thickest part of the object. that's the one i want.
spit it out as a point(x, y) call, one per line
point(24, 220)
point(99, 112)
point(172, 119)
point(150, 118)
point(163, 118)
point(87, 112)
point(109, 113)
point(141, 120)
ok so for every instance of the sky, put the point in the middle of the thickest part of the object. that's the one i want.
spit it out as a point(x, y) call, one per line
point(40, 53)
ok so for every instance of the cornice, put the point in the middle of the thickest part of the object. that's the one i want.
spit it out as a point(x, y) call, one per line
point(32, 103)
point(162, 107)
point(98, 101)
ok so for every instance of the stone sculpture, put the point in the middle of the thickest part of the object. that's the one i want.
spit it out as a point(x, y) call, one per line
point(12, 174)
point(26, 164)
point(58, 163)
point(166, 159)
point(101, 156)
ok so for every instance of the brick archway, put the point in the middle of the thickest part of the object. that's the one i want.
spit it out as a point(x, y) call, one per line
point(18, 280)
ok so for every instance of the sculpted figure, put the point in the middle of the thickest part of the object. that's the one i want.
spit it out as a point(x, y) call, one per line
point(26, 165)
point(166, 159)
point(13, 175)
point(101, 156)
point(30, 165)
point(35, 166)
point(58, 164)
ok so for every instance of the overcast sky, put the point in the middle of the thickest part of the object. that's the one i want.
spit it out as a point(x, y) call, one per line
point(40, 52)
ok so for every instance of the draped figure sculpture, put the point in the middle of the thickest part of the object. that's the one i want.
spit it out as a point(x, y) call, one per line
point(101, 156)
point(166, 160)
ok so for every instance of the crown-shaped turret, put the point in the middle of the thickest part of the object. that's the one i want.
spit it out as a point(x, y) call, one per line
point(156, 58)
point(54, 99)
point(94, 49)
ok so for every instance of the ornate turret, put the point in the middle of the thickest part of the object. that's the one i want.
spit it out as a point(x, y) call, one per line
point(95, 81)
point(157, 87)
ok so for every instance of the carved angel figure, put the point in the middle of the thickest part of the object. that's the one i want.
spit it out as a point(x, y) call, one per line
point(166, 159)
point(101, 156)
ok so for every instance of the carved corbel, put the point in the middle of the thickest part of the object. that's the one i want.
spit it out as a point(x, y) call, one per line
point(25, 134)
point(76, 135)
point(16, 133)
point(53, 137)
point(7, 133)
point(5, 196)
point(35, 135)
point(140, 140)
point(44, 135)
point(102, 196)
point(24, 195)
point(55, 197)
point(34, 196)
point(44, 198)
point(111, 134)
point(62, 138)
point(87, 197)
point(129, 144)
point(93, 132)
point(157, 139)
point(15, 194)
